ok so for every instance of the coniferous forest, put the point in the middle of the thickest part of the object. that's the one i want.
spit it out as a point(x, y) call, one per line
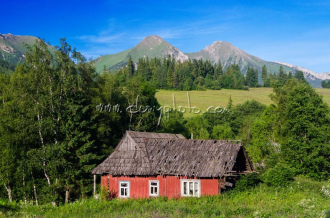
point(167, 73)
point(53, 132)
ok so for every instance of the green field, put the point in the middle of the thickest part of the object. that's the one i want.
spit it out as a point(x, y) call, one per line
point(216, 98)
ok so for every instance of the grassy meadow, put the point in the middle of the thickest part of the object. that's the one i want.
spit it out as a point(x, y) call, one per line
point(216, 98)
point(302, 198)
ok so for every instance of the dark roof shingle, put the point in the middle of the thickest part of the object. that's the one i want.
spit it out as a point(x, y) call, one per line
point(143, 154)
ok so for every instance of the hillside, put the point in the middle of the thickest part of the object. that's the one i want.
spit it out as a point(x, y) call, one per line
point(151, 46)
point(12, 47)
point(215, 98)
point(313, 78)
point(227, 54)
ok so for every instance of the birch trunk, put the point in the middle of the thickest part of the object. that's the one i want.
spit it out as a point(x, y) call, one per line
point(43, 146)
point(24, 192)
point(8, 188)
point(53, 108)
point(34, 190)
point(67, 191)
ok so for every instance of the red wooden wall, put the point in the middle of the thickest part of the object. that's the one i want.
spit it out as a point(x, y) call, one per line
point(168, 185)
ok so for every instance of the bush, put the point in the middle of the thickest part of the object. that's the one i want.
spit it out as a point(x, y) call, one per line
point(104, 193)
point(247, 181)
point(279, 175)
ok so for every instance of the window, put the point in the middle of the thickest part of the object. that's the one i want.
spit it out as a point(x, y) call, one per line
point(190, 188)
point(153, 188)
point(124, 189)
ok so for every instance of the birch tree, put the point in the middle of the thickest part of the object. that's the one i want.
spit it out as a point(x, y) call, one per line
point(56, 88)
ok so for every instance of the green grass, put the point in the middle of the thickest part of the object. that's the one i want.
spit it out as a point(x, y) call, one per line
point(113, 59)
point(302, 198)
point(205, 99)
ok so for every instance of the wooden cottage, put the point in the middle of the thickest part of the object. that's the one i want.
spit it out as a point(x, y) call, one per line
point(160, 164)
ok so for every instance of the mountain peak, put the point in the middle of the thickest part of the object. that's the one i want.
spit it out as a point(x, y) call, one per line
point(154, 37)
point(220, 43)
point(155, 46)
point(217, 42)
point(153, 40)
point(221, 47)
point(151, 47)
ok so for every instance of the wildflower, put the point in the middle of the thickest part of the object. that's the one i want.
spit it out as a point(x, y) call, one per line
point(307, 203)
point(325, 191)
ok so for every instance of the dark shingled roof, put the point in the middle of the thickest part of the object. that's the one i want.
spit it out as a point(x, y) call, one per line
point(143, 154)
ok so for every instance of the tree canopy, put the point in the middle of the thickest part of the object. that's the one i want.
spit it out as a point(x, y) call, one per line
point(296, 129)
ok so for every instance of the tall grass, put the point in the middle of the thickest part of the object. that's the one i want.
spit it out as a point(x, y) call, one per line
point(302, 198)
point(205, 99)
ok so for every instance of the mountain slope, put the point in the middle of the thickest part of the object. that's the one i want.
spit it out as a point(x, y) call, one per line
point(227, 54)
point(219, 51)
point(13, 49)
point(151, 46)
point(315, 79)
point(154, 46)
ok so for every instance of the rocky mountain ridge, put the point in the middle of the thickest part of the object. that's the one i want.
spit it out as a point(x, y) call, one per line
point(309, 73)
point(12, 50)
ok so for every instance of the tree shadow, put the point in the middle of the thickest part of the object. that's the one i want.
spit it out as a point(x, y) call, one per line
point(6, 209)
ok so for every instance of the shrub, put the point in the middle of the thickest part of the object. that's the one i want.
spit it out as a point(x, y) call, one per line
point(104, 193)
point(279, 175)
point(247, 181)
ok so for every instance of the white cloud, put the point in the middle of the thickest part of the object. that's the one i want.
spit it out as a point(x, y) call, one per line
point(101, 39)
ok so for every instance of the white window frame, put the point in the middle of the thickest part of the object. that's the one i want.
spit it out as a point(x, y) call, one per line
point(128, 189)
point(153, 186)
point(185, 190)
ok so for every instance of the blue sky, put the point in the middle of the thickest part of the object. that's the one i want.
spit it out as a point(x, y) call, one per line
point(295, 32)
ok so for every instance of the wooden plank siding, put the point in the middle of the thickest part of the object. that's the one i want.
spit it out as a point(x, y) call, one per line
point(169, 186)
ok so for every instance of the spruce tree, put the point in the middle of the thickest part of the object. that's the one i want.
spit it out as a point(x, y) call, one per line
point(130, 67)
point(282, 77)
point(252, 77)
point(299, 75)
point(264, 75)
